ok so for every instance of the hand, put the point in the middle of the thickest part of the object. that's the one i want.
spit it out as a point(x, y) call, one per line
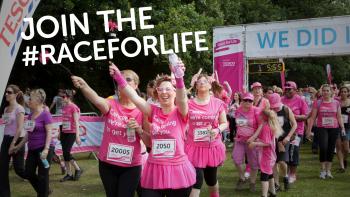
point(78, 82)
point(44, 153)
point(251, 140)
point(281, 147)
point(213, 133)
point(343, 133)
point(12, 149)
point(113, 69)
point(251, 145)
point(309, 136)
point(78, 140)
point(286, 140)
point(179, 69)
point(132, 123)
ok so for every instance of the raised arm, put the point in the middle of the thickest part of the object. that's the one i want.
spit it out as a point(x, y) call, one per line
point(90, 94)
point(181, 97)
point(129, 91)
point(228, 89)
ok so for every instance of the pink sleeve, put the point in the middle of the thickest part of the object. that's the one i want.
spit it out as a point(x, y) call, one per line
point(304, 108)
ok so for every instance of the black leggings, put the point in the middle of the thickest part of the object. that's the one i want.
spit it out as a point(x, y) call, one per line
point(326, 140)
point(265, 177)
point(67, 141)
point(210, 176)
point(119, 181)
point(232, 127)
point(183, 192)
point(40, 181)
point(17, 161)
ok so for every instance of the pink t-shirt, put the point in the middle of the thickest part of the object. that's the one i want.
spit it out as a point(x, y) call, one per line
point(10, 120)
point(167, 137)
point(200, 117)
point(326, 113)
point(246, 122)
point(261, 104)
point(298, 107)
point(115, 148)
point(68, 124)
point(268, 154)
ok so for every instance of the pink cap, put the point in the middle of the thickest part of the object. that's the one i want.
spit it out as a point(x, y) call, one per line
point(256, 84)
point(275, 100)
point(248, 96)
point(290, 85)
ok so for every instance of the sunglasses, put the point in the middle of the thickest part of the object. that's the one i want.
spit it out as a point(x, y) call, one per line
point(160, 90)
point(247, 100)
point(9, 92)
point(202, 81)
point(128, 79)
point(64, 97)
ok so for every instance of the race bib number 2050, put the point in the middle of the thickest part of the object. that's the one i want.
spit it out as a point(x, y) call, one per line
point(163, 148)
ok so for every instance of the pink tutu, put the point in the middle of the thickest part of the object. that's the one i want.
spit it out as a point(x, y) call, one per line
point(158, 176)
point(202, 157)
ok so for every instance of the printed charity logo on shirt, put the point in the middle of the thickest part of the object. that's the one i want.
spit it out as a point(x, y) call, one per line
point(120, 153)
point(6, 118)
point(241, 122)
point(163, 148)
point(327, 121)
point(345, 118)
point(29, 125)
point(201, 135)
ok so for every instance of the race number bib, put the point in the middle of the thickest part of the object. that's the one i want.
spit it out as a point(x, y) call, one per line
point(6, 118)
point(163, 148)
point(327, 121)
point(345, 118)
point(120, 153)
point(281, 120)
point(201, 135)
point(66, 125)
point(29, 125)
point(241, 122)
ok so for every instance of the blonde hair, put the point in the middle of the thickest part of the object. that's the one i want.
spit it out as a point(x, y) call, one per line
point(273, 122)
point(328, 86)
point(40, 94)
point(133, 74)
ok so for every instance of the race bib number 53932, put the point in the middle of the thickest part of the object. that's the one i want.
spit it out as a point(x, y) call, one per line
point(163, 148)
point(120, 153)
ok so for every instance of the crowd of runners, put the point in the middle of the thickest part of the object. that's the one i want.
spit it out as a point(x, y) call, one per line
point(170, 142)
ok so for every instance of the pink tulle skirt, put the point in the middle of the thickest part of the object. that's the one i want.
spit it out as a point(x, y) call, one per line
point(160, 176)
point(202, 157)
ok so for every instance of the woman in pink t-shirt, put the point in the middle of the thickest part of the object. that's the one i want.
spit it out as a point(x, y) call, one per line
point(120, 151)
point(247, 120)
point(205, 149)
point(70, 134)
point(327, 114)
point(168, 171)
point(270, 130)
point(13, 118)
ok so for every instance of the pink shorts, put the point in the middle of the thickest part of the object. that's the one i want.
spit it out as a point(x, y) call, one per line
point(241, 150)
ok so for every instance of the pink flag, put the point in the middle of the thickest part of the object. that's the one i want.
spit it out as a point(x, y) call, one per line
point(329, 73)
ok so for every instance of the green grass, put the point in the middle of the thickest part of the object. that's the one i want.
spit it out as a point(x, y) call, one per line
point(308, 183)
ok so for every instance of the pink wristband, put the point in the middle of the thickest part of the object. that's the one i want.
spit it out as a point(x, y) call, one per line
point(119, 78)
point(180, 83)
